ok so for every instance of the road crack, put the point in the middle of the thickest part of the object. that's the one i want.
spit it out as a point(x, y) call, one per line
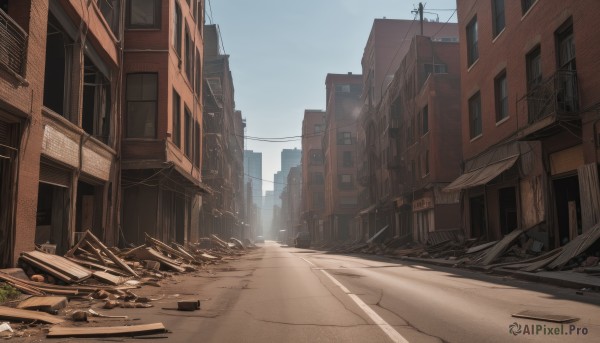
point(306, 324)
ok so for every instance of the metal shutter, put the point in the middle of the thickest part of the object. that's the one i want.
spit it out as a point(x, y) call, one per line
point(54, 175)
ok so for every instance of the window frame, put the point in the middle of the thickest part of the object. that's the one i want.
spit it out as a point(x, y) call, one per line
point(128, 101)
point(496, 14)
point(530, 60)
point(501, 100)
point(189, 132)
point(472, 32)
point(156, 25)
point(475, 118)
point(176, 134)
point(177, 29)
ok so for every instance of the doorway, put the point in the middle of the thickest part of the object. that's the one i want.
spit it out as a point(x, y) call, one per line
point(52, 217)
point(508, 210)
point(477, 216)
point(89, 208)
point(568, 208)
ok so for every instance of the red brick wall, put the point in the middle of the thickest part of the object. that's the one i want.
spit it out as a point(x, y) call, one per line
point(508, 51)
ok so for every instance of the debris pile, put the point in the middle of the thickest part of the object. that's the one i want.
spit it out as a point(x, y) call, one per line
point(98, 274)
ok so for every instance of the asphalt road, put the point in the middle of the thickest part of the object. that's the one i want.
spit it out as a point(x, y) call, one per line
point(283, 294)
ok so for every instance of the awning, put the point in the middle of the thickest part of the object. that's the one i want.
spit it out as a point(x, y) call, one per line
point(368, 209)
point(482, 175)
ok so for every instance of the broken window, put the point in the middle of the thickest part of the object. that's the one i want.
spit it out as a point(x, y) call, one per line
point(143, 14)
point(141, 96)
point(57, 76)
point(95, 119)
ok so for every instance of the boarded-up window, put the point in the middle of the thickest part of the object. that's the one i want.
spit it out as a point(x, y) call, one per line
point(141, 105)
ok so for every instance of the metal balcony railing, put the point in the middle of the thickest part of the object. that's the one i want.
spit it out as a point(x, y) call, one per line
point(556, 95)
point(13, 45)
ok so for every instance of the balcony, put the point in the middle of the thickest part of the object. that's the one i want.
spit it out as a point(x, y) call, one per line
point(13, 46)
point(553, 101)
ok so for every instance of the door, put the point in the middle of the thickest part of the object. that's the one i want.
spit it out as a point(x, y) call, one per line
point(477, 217)
point(508, 210)
point(568, 208)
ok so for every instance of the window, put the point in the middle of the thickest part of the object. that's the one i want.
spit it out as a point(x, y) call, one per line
point(198, 83)
point(316, 157)
point(189, 134)
point(565, 44)
point(425, 120)
point(426, 162)
point(345, 181)
point(347, 159)
point(110, 10)
point(177, 29)
point(344, 138)
point(317, 178)
point(435, 68)
point(176, 119)
point(318, 128)
point(472, 47)
point(141, 96)
point(526, 5)
point(501, 95)
point(342, 88)
point(534, 68)
point(413, 170)
point(318, 200)
point(197, 145)
point(475, 116)
point(143, 14)
point(96, 104)
point(497, 16)
point(189, 56)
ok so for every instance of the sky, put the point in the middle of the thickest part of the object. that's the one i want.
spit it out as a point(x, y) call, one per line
point(281, 50)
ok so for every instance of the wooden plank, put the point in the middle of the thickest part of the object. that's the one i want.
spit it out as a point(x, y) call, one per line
point(548, 317)
point(480, 247)
point(73, 270)
point(48, 269)
point(43, 303)
point(107, 331)
point(153, 255)
point(97, 266)
point(108, 278)
point(26, 316)
point(110, 254)
point(96, 252)
point(576, 247)
point(500, 247)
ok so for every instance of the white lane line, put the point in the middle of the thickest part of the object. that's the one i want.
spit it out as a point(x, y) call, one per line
point(383, 325)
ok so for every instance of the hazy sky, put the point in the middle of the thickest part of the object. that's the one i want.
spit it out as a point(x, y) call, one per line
point(281, 50)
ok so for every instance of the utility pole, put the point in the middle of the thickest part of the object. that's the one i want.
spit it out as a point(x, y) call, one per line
point(420, 12)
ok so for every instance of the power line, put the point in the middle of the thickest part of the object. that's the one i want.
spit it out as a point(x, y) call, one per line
point(447, 21)
point(210, 17)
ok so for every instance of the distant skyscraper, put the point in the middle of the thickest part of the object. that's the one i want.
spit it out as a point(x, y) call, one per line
point(267, 214)
point(253, 173)
point(289, 158)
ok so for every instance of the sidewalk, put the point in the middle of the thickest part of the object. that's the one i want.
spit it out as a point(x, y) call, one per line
point(568, 279)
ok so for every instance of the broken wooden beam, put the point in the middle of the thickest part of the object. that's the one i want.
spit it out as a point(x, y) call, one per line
point(26, 316)
point(106, 331)
point(44, 304)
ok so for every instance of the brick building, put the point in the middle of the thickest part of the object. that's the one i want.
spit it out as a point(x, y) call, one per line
point(223, 145)
point(59, 129)
point(530, 100)
point(343, 93)
point(382, 184)
point(162, 119)
point(417, 130)
point(313, 196)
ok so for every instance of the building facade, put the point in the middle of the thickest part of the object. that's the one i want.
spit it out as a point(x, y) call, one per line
point(339, 147)
point(223, 146)
point(313, 186)
point(162, 120)
point(253, 184)
point(529, 99)
point(59, 129)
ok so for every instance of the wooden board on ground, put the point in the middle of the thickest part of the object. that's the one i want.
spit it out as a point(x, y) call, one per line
point(500, 247)
point(43, 303)
point(17, 315)
point(108, 278)
point(106, 331)
point(58, 266)
point(96, 266)
point(153, 255)
point(480, 247)
point(548, 317)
